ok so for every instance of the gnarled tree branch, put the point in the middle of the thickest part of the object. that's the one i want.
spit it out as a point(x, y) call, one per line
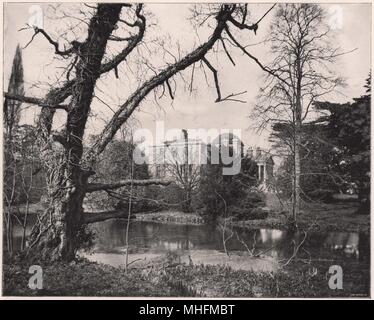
point(36, 101)
point(55, 44)
point(126, 109)
point(92, 187)
point(132, 42)
point(59, 95)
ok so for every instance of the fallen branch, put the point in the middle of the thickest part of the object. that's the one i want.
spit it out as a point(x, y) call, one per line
point(92, 217)
point(92, 187)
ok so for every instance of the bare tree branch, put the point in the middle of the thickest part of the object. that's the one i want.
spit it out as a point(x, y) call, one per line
point(170, 90)
point(252, 27)
point(227, 52)
point(215, 75)
point(36, 101)
point(74, 47)
point(244, 50)
point(134, 100)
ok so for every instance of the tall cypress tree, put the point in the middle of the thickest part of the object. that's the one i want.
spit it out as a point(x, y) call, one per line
point(12, 108)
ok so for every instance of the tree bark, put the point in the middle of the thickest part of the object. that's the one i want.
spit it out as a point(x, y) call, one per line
point(55, 236)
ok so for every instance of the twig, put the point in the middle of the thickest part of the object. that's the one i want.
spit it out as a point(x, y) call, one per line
point(295, 250)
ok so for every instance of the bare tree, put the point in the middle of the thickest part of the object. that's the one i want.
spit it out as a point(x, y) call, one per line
point(300, 73)
point(182, 167)
point(68, 164)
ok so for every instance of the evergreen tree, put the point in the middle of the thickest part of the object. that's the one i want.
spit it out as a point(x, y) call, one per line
point(16, 86)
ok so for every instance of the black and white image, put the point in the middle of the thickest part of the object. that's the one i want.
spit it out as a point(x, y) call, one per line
point(186, 150)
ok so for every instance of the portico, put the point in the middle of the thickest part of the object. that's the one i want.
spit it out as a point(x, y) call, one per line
point(265, 165)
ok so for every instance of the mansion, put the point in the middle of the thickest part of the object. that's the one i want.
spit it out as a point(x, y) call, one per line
point(180, 157)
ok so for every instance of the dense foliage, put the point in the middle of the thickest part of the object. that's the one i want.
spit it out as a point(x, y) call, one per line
point(229, 195)
point(348, 126)
point(335, 151)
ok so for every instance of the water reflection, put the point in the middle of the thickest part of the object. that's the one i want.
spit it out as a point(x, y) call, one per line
point(152, 237)
point(342, 241)
point(157, 238)
point(271, 236)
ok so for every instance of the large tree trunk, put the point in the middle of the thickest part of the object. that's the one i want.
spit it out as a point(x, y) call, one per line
point(55, 236)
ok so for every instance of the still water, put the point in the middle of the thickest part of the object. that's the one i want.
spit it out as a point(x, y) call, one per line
point(205, 243)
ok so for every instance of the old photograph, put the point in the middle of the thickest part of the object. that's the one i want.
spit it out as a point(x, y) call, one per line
point(202, 150)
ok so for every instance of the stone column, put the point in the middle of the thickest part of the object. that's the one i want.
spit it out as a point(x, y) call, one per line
point(265, 174)
point(259, 172)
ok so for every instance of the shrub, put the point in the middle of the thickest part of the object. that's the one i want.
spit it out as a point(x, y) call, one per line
point(249, 207)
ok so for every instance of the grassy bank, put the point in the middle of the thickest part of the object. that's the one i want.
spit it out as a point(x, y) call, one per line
point(165, 279)
point(170, 216)
point(322, 218)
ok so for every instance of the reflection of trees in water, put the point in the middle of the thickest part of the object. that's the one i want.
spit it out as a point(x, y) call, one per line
point(271, 236)
point(110, 234)
point(351, 243)
point(343, 241)
point(261, 239)
point(159, 236)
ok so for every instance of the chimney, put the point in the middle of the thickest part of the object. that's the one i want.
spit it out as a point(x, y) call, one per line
point(250, 152)
point(258, 151)
point(185, 136)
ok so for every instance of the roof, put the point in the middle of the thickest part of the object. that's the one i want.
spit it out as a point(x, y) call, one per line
point(263, 157)
point(260, 155)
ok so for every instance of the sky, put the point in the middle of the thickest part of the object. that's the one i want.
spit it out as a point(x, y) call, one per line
point(196, 110)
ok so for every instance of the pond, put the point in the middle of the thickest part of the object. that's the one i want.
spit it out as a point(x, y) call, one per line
point(204, 244)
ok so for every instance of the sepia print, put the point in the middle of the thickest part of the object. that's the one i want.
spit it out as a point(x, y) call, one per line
point(186, 150)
